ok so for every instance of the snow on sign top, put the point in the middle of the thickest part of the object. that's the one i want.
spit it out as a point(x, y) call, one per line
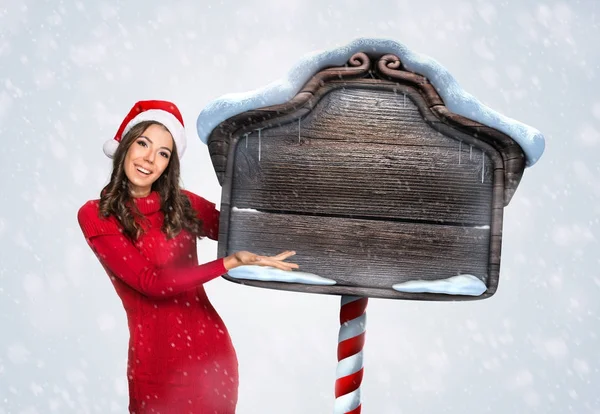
point(455, 98)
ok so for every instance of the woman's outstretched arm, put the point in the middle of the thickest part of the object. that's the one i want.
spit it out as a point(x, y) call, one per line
point(124, 261)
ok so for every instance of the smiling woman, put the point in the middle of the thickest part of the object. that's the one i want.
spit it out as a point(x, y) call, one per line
point(143, 230)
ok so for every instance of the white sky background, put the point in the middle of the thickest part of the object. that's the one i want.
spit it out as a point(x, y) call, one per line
point(69, 74)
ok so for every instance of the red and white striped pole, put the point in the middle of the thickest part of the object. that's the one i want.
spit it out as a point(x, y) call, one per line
point(351, 340)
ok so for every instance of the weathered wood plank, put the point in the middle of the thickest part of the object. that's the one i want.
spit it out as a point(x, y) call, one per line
point(358, 179)
point(389, 67)
point(322, 161)
point(364, 253)
point(367, 116)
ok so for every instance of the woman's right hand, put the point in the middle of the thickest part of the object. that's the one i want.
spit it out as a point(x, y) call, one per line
point(247, 258)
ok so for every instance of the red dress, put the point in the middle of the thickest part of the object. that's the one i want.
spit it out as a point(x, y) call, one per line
point(181, 359)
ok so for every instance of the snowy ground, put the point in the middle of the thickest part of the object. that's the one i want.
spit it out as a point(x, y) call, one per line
point(71, 71)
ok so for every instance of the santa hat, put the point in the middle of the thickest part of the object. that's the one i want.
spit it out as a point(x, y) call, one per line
point(160, 111)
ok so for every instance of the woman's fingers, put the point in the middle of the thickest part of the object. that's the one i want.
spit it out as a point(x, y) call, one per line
point(284, 255)
point(277, 261)
point(268, 261)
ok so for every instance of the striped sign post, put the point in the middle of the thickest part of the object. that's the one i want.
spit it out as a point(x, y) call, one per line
point(351, 340)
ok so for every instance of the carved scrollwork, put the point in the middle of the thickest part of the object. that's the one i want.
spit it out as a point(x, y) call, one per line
point(360, 60)
point(390, 67)
point(358, 65)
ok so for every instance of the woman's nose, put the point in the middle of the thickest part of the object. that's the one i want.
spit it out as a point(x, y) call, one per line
point(149, 156)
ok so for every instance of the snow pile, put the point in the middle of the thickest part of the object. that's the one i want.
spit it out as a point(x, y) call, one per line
point(456, 285)
point(271, 274)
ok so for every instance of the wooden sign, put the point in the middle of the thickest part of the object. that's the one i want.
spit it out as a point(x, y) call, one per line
point(371, 179)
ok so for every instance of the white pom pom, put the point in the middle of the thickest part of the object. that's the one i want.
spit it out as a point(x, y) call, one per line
point(110, 147)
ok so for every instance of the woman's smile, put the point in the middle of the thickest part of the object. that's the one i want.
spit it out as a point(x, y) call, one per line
point(143, 171)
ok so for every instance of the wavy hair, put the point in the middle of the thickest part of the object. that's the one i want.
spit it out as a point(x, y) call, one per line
point(116, 200)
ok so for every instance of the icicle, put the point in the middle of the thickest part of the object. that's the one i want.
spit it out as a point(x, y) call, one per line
point(404, 100)
point(459, 150)
point(246, 135)
point(482, 165)
point(298, 130)
point(470, 152)
point(260, 129)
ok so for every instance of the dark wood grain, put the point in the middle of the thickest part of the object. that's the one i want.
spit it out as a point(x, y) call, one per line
point(364, 253)
point(395, 168)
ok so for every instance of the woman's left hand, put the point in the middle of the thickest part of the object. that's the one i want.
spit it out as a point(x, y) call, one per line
point(247, 258)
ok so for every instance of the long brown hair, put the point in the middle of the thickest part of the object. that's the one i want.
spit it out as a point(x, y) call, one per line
point(116, 200)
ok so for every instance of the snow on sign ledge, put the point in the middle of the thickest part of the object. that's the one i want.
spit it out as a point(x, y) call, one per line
point(271, 274)
point(455, 285)
point(455, 98)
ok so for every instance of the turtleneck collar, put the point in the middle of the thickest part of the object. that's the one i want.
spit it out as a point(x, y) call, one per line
point(148, 204)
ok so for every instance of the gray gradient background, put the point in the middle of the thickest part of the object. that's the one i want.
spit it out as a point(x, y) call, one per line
point(68, 75)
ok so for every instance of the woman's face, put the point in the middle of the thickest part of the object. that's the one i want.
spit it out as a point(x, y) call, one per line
point(147, 158)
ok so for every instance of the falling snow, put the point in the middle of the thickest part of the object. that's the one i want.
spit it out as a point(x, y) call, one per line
point(71, 70)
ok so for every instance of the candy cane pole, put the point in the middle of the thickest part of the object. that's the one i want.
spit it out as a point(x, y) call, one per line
point(351, 340)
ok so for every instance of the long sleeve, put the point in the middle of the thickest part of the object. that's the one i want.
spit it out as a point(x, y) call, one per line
point(211, 226)
point(207, 212)
point(121, 258)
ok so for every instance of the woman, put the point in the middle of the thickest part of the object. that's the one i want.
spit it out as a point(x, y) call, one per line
point(143, 229)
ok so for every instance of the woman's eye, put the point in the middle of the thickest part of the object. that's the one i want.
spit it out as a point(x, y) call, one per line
point(164, 154)
point(142, 143)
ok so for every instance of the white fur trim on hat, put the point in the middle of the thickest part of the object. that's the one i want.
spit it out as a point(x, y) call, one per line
point(169, 120)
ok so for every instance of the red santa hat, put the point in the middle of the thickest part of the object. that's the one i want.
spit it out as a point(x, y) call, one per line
point(160, 111)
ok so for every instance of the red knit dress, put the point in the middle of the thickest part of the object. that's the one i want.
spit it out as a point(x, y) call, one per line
point(181, 359)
